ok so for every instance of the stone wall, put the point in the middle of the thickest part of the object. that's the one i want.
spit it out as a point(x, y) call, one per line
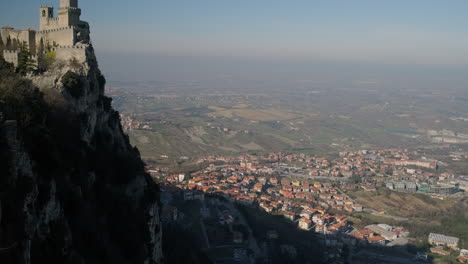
point(50, 23)
point(11, 57)
point(63, 36)
point(68, 52)
point(69, 16)
point(26, 35)
point(68, 3)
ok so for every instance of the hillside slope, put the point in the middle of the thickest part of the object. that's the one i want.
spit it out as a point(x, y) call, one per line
point(72, 189)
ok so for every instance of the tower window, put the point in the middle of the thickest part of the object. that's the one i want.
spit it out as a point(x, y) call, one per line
point(43, 13)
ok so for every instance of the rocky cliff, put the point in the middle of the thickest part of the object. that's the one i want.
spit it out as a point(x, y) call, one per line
point(72, 189)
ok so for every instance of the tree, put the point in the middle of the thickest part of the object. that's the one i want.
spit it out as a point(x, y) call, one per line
point(14, 45)
point(41, 48)
point(25, 62)
point(22, 101)
point(45, 57)
point(41, 67)
point(8, 44)
point(389, 171)
point(2, 46)
point(72, 82)
point(355, 179)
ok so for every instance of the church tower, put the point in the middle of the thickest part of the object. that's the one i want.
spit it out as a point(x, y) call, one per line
point(69, 13)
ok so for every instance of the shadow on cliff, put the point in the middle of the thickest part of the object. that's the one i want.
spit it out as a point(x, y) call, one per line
point(63, 200)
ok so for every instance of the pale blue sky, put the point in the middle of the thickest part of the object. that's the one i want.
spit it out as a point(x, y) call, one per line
point(390, 31)
point(425, 41)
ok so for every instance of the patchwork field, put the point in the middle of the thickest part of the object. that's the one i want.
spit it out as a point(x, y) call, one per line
point(175, 123)
point(255, 114)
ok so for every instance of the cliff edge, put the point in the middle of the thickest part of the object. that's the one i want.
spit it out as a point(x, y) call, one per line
point(72, 188)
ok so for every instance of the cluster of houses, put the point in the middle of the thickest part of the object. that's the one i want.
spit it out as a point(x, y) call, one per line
point(256, 181)
point(129, 123)
point(445, 245)
point(396, 163)
point(382, 234)
point(308, 201)
point(303, 202)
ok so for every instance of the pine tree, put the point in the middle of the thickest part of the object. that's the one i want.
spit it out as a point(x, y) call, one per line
point(41, 63)
point(14, 45)
point(8, 44)
point(41, 48)
point(25, 62)
point(2, 46)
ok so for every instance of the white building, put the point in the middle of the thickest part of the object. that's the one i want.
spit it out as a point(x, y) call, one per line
point(305, 223)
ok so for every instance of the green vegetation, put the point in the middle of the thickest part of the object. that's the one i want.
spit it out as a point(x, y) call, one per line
point(263, 123)
point(362, 219)
point(2, 47)
point(73, 84)
point(449, 259)
point(25, 62)
point(46, 60)
point(45, 57)
point(256, 114)
point(401, 204)
point(425, 214)
point(21, 100)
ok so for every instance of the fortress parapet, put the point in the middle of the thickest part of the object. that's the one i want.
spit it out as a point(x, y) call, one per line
point(11, 56)
point(65, 30)
point(79, 52)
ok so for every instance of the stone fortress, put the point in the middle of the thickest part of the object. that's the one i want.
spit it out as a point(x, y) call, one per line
point(62, 34)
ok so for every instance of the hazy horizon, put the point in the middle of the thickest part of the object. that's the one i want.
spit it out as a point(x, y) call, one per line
point(361, 41)
point(228, 73)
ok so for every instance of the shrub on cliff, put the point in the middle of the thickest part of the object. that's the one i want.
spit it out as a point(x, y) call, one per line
point(45, 60)
point(73, 84)
point(22, 101)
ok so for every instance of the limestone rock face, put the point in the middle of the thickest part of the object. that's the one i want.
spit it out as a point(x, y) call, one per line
point(93, 203)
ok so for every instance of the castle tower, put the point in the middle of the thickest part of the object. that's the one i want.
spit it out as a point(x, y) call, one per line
point(46, 13)
point(69, 13)
point(69, 3)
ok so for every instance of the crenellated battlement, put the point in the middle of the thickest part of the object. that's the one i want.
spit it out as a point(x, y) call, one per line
point(72, 9)
point(67, 32)
point(11, 51)
point(55, 30)
point(11, 56)
point(73, 47)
